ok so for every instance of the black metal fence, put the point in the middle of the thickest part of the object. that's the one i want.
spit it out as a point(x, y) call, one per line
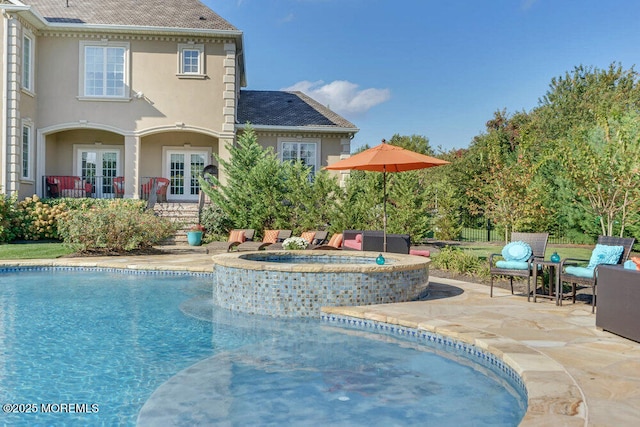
point(480, 229)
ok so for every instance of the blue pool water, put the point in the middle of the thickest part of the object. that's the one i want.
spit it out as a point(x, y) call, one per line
point(154, 345)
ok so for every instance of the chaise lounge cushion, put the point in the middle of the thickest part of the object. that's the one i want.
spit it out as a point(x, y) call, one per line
point(236, 236)
point(308, 236)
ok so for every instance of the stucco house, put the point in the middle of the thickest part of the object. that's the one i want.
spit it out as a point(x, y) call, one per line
point(118, 94)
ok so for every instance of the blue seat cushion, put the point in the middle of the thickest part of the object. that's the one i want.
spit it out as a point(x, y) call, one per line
point(513, 265)
point(605, 254)
point(580, 271)
point(516, 251)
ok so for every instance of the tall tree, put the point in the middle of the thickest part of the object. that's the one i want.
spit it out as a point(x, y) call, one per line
point(417, 143)
point(604, 163)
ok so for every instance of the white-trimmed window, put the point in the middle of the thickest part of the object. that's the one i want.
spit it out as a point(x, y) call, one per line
point(304, 150)
point(104, 69)
point(27, 151)
point(191, 59)
point(27, 62)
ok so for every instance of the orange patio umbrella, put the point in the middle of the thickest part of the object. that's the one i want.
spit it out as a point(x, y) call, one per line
point(386, 158)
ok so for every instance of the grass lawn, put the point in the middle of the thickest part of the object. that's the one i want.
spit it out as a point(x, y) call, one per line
point(482, 250)
point(34, 250)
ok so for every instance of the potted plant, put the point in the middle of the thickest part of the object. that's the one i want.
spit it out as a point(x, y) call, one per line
point(194, 235)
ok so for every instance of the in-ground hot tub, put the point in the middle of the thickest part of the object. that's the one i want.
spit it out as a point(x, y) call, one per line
point(299, 283)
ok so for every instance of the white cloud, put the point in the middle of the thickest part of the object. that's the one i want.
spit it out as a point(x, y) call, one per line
point(342, 96)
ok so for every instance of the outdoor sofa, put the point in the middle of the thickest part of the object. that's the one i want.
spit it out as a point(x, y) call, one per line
point(372, 240)
point(618, 301)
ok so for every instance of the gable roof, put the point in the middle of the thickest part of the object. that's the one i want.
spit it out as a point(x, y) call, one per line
point(186, 14)
point(278, 109)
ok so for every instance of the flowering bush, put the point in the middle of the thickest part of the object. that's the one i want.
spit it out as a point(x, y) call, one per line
point(197, 227)
point(295, 243)
point(37, 220)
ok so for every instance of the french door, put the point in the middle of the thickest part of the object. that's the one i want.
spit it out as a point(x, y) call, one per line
point(99, 167)
point(184, 168)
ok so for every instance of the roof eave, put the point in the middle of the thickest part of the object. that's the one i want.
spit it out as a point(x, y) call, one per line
point(320, 129)
point(34, 18)
point(137, 29)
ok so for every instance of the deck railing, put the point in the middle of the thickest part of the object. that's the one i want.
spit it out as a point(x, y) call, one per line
point(97, 187)
point(100, 187)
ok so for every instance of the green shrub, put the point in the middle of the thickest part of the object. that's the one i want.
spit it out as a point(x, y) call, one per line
point(116, 226)
point(216, 223)
point(458, 261)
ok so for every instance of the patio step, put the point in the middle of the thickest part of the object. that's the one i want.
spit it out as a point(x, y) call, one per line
point(183, 213)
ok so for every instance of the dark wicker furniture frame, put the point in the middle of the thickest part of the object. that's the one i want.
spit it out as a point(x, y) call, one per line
point(626, 242)
point(538, 243)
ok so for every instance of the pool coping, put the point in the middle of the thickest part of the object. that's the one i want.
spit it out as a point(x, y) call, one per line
point(398, 262)
point(555, 397)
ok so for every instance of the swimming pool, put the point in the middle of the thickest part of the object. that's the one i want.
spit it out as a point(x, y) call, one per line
point(124, 343)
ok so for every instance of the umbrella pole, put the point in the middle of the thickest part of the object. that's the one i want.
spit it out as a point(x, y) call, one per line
point(384, 209)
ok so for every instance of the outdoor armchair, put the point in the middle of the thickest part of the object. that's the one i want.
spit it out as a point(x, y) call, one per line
point(538, 244)
point(118, 186)
point(160, 184)
point(574, 271)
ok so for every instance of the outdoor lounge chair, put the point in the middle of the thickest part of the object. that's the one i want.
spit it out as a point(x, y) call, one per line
point(236, 237)
point(319, 238)
point(270, 237)
point(538, 243)
point(314, 238)
point(335, 243)
point(588, 276)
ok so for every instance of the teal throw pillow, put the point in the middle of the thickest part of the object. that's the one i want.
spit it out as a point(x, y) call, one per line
point(580, 271)
point(513, 265)
point(516, 251)
point(605, 254)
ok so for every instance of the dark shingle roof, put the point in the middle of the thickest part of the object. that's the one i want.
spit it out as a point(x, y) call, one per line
point(148, 13)
point(295, 109)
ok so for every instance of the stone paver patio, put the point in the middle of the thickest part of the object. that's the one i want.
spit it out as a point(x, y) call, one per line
point(576, 375)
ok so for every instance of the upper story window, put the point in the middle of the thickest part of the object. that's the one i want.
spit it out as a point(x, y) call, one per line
point(26, 151)
point(191, 60)
point(105, 71)
point(305, 151)
point(27, 62)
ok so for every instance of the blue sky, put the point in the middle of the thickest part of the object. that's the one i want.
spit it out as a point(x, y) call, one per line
point(436, 68)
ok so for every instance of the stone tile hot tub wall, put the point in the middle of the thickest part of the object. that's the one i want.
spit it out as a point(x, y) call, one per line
point(299, 283)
